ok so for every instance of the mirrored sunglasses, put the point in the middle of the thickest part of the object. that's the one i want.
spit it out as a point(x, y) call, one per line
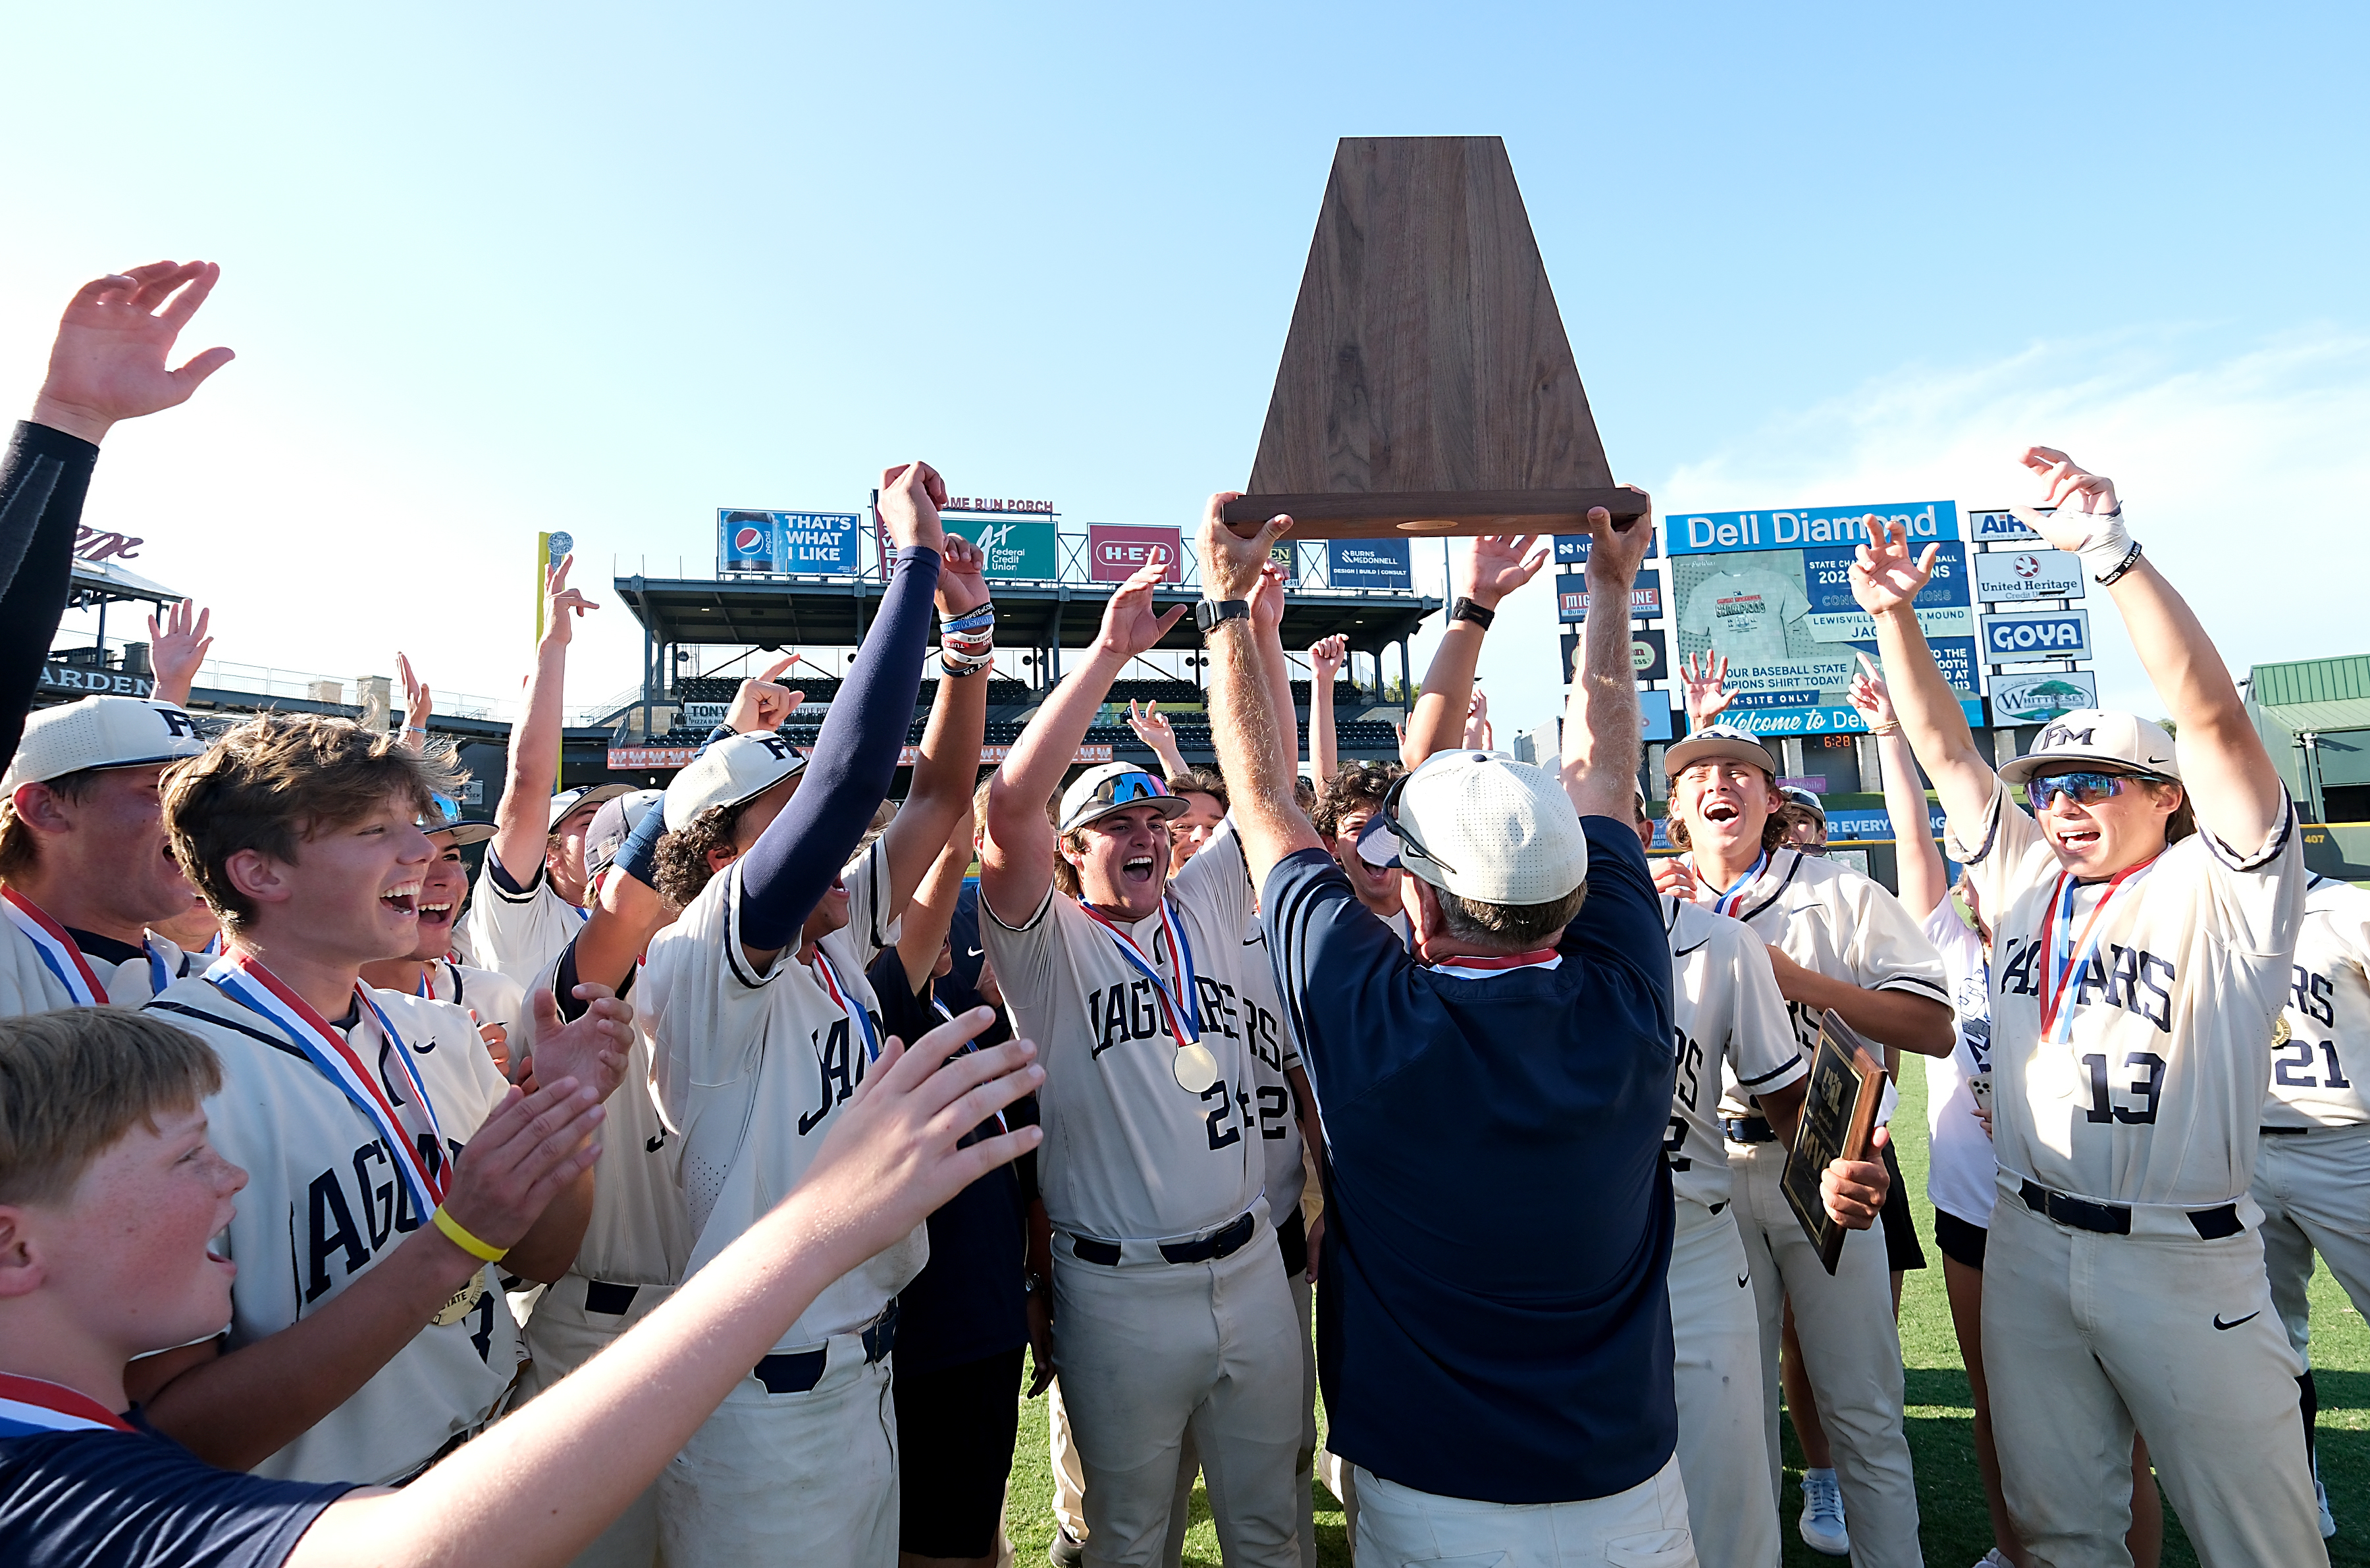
point(443, 813)
point(2083, 789)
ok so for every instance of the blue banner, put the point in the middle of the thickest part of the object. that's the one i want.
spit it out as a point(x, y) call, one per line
point(1807, 527)
point(817, 543)
point(1371, 563)
point(1572, 549)
point(1843, 720)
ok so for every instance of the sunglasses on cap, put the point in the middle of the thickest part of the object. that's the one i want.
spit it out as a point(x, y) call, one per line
point(1124, 788)
point(443, 813)
point(1397, 825)
point(2083, 789)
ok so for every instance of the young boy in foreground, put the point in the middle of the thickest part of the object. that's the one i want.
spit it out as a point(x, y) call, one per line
point(109, 1192)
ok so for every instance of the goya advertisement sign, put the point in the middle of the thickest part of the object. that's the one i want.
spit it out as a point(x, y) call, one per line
point(1770, 591)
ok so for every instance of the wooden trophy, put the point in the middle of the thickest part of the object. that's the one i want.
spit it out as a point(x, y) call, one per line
point(1845, 1091)
point(1427, 386)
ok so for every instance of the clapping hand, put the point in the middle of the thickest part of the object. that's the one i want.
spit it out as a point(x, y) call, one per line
point(763, 705)
point(1707, 696)
point(176, 648)
point(108, 361)
point(592, 1049)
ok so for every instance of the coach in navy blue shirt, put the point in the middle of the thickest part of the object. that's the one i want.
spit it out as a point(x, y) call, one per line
point(1494, 1326)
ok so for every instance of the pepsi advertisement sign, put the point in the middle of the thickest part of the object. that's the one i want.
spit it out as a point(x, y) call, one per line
point(811, 543)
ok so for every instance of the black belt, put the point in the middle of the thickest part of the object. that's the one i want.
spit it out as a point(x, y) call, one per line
point(2114, 1219)
point(1222, 1242)
point(2286, 1132)
point(801, 1370)
point(1748, 1129)
point(609, 1300)
point(1292, 1240)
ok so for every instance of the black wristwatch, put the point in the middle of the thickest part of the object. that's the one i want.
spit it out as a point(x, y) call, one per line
point(1467, 610)
point(1210, 613)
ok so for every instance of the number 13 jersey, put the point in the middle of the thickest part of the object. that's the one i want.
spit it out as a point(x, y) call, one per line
point(2155, 1090)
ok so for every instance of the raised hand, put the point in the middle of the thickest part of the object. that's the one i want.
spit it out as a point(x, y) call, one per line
point(911, 494)
point(961, 586)
point(763, 704)
point(562, 603)
point(1868, 694)
point(418, 702)
point(1267, 599)
point(1495, 565)
point(1478, 734)
point(1707, 696)
point(2082, 501)
point(108, 361)
point(1152, 727)
point(1884, 575)
point(1326, 657)
point(592, 1049)
point(176, 647)
point(1231, 564)
point(1132, 623)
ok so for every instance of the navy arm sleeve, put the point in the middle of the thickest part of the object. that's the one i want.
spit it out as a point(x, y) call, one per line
point(855, 760)
point(42, 480)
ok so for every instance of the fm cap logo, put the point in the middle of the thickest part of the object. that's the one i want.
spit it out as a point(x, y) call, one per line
point(176, 723)
point(2060, 735)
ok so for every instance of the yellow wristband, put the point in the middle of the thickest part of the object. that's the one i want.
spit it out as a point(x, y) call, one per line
point(460, 1236)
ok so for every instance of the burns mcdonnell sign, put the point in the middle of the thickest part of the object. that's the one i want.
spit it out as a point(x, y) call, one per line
point(1116, 551)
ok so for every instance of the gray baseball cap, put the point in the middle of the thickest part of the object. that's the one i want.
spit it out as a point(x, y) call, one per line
point(1482, 826)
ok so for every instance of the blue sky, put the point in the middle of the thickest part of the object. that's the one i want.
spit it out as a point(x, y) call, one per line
point(490, 270)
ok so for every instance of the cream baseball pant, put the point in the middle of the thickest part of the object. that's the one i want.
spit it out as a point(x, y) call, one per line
point(1146, 1351)
point(1645, 1526)
point(1851, 1349)
point(1723, 1443)
point(2086, 1335)
point(562, 1334)
point(2315, 1192)
point(773, 1480)
point(1304, 1479)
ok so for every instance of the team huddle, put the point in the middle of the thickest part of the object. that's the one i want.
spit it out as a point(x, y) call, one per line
point(707, 1182)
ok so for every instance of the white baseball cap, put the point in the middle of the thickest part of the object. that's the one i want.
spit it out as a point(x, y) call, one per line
point(1483, 827)
point(2122, 743)
point(567, 800)
point(1718, 740)
point(100, 732)
point(732, 772)
point(1115, 787)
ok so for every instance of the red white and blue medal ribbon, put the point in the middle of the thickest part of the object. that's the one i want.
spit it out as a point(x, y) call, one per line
point(34, 1407)
point(256, 988)
point(968, 1047)
point(2068, 956)
point(57, 949)
point(1729, 898)
point(1184, 1026)
point(855, 1011)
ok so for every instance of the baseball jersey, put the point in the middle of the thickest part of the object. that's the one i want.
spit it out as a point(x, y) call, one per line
point(1725, 1012)
point(1129, 1154)
point(39, 972)
point(752, 1067)
point(1258, 1012)
point(1745, 614)
point(492, 997)
point(1829, 918)
point(2321, 1044)
point(516, 933)
point(639, 1233)
point(1962, 1175)
point(2155, 1094)
point(323, 1202)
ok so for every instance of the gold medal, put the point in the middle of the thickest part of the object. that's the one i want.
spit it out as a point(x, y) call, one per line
point(463, 1301)
point(1197, 1070)
point(2280, 1031)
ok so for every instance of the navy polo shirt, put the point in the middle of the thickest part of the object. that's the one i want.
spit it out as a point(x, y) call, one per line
point(1493, 1319)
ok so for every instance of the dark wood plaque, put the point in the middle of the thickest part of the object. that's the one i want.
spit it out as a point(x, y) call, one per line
point(1426, 386)
point(1839, 1105)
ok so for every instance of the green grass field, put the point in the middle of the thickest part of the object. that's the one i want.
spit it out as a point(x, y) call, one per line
point(1956, 1529)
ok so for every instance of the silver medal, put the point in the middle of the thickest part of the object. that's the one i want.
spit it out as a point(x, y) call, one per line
point(1196, 1069)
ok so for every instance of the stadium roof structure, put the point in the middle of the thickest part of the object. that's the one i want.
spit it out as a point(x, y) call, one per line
point(779, 612)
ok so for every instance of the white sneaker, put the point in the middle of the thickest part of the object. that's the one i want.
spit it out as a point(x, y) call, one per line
point(1821, 1524)
point(1995, 1558)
